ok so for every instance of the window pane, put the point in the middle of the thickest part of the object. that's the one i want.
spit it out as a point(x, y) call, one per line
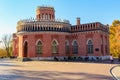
point(54, 47)
point(67, 49)
point(90, 47)
point(75, 48)
point(39, 47)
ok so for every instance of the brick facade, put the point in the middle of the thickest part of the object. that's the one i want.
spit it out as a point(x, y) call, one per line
point(47, 30)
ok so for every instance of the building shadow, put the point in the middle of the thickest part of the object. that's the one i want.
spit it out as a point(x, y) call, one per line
point(97, 62)
point(51, 75)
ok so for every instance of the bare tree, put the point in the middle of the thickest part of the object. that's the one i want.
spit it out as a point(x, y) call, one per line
point(6, 39)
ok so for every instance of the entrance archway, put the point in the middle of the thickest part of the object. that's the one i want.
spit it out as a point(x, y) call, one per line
point(25, 49)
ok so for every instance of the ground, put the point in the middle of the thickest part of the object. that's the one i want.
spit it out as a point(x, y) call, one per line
point(49, 70)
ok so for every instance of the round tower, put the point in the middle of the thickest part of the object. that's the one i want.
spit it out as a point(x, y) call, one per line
point(45, 13)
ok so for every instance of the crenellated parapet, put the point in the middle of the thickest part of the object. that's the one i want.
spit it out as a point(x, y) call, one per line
point(90, 27)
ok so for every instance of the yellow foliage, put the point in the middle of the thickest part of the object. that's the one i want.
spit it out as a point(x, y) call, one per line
point(115, 38)
point(3, 53)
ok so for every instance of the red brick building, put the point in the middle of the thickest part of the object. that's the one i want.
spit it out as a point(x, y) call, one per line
point(47, 37)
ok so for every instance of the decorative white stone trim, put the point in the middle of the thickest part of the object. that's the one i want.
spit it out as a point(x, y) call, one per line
point(89, 40)
point(38, 41)
point(55, 41)
point(25, 41)
point(74, 41)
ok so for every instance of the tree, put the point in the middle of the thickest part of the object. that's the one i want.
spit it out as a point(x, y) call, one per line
point(115, 38)
point(2, 53)
point(7, 42)
point(115, 23)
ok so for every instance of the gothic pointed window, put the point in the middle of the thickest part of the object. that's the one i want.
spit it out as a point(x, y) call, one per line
point(39, 47)
point(102, 46)
point(89, 47)
point(75, 47)
point(54, 47)
point(67, 51)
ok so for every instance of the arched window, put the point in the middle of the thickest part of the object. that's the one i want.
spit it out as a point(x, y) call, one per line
point(75, 47)
point(106, 45)
point(39, 47)
point(54, 47)
point(90, 47)
point(102, 45)
point(67, 47)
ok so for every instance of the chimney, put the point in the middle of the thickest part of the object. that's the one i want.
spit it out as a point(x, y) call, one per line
point(78, 21)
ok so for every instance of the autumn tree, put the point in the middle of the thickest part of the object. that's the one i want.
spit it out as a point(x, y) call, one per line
point(7, 42)
point(2, 53)
point(115, 38)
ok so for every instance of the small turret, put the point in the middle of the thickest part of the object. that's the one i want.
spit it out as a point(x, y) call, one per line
point(45, 13)
point(78, 21)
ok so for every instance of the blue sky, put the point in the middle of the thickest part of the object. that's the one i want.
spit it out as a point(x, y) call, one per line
point(104, 11)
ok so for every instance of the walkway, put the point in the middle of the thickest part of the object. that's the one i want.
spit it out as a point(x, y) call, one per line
point(43, 70)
